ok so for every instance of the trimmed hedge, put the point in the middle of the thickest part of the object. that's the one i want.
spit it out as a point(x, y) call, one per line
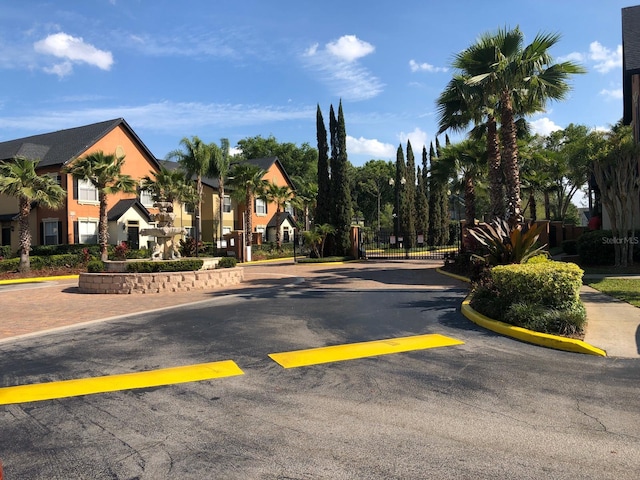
point(540, 296)
point(226, 262)
point(597, 247)
point(68, 260)
point(5, 251)
point(183, 265)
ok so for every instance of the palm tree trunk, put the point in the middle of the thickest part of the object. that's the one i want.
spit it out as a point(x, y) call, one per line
point(103, 227)
point(510, 160)
point(248, 220)
point(495, 172)
point(221, 206)
point(469, 201)
point(25, 235)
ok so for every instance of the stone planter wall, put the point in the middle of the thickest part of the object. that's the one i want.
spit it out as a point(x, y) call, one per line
point(159, 282)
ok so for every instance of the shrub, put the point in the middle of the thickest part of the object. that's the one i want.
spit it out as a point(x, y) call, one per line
point(121, 251)
point(226, 262)
point(9, 264)
point(183, 265)
point(188, 247)
point(566, 321)
point(5, 251)
point(552, 284)
point(95, 266)
point(570, 247)
point(542, 258)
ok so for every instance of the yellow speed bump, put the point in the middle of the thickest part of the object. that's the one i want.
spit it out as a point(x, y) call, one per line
point(350, 351)
point(112, 383)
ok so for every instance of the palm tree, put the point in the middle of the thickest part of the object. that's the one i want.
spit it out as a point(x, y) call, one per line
point(219, 168)
point(280, 195)
point(522, 80)
point(465, 161)
point(104, 172)
point(194, 159)
point(247, 183)
point(18, 178)
point(169, 186)
point(305, 199)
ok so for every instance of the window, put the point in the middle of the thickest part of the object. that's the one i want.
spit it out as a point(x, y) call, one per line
point(189, 231)
point(88, 231)
point(226, 204)
point(145, 198)
point(56, 177)
point(288, 208)
point(261, 206)
point(189, 208)
point(50, 232)
point(86, 191)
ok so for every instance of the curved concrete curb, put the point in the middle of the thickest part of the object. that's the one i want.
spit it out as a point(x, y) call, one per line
point(543, 339)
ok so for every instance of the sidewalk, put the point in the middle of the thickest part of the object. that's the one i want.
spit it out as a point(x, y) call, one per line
point(612, 325)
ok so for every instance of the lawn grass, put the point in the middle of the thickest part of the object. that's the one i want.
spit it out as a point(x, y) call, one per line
point(625, 289)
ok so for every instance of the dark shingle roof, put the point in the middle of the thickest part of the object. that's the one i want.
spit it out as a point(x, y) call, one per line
point(267, 162)
point(120, 208)
point(57, 148)
point(630, 55)
point(273, 223)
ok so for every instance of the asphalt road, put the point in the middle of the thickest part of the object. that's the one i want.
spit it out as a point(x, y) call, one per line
point(491, 408)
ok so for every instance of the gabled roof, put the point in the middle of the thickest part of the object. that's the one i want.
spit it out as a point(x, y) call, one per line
point(267, 162)
point(284, 216)
point(171, 165)
point(58, 148)
point(630, 55)
point(120, 208)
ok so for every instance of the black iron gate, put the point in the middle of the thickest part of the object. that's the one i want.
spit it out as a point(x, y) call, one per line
point(387, 245)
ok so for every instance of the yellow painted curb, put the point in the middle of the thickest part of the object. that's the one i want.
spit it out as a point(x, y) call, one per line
point(37, 279)
point(453, 275)
point(529, 336)
point(112, 383)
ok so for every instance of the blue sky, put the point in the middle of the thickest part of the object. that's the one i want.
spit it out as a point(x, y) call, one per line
point(238, 69)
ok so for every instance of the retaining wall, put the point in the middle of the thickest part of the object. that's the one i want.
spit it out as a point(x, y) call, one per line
point(160, 282)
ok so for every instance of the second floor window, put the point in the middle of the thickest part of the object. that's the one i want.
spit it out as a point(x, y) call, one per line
point(226, 204)
point(145, 198)
point(86, 191)
point(261, 207)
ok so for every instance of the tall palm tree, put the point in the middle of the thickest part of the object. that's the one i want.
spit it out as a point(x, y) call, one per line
point(247, 183)
point(522, 80)
point(280, 195)
point(194, 158)
point(104, 172)
point(305, 199)
point(169, 186)
point(219, 168)
point(466, 162)
point(18, 178)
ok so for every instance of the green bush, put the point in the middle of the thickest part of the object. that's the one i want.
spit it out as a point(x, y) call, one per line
point(9, 264)
point(46, 250)
point(5, 251)
point(597, 247)
point(570, 247)
point(544, 297)
point(552, 284)
point(95, 266)
point(542, 258)
point(226, 262)
point(183, 265)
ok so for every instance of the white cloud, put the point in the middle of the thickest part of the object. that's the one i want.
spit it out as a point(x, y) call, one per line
point(605, 59)
point(425, 67)
point(72, 50)
point(349, 48)
point(573, 57)
point(418, 139)
point(336, 65)
point(368, 146)
point(544, 126)
point(615, 94)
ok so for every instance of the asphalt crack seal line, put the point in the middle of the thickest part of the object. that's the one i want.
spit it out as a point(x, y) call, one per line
point(351, 351)
point(111, 383)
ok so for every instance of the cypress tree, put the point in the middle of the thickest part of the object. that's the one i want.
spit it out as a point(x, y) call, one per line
point(341, 194)
point(422, 206)
point(398, 189)
point(409, 208)
point(434, 204)
point(323, 202)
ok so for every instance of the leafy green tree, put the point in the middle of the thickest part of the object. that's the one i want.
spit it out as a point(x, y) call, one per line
point(371, 184)
point(18, 178)
point(104, 172)
point(247, 183)
point(305, 200)
point(340, 193)
point(219, 167)
point(194, 158)
point(323, 204)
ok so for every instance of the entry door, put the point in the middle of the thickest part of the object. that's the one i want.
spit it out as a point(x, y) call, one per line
point(6, 236)
point(133, 237)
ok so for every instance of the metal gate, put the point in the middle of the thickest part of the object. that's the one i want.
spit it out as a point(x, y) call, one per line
point(388, 245)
